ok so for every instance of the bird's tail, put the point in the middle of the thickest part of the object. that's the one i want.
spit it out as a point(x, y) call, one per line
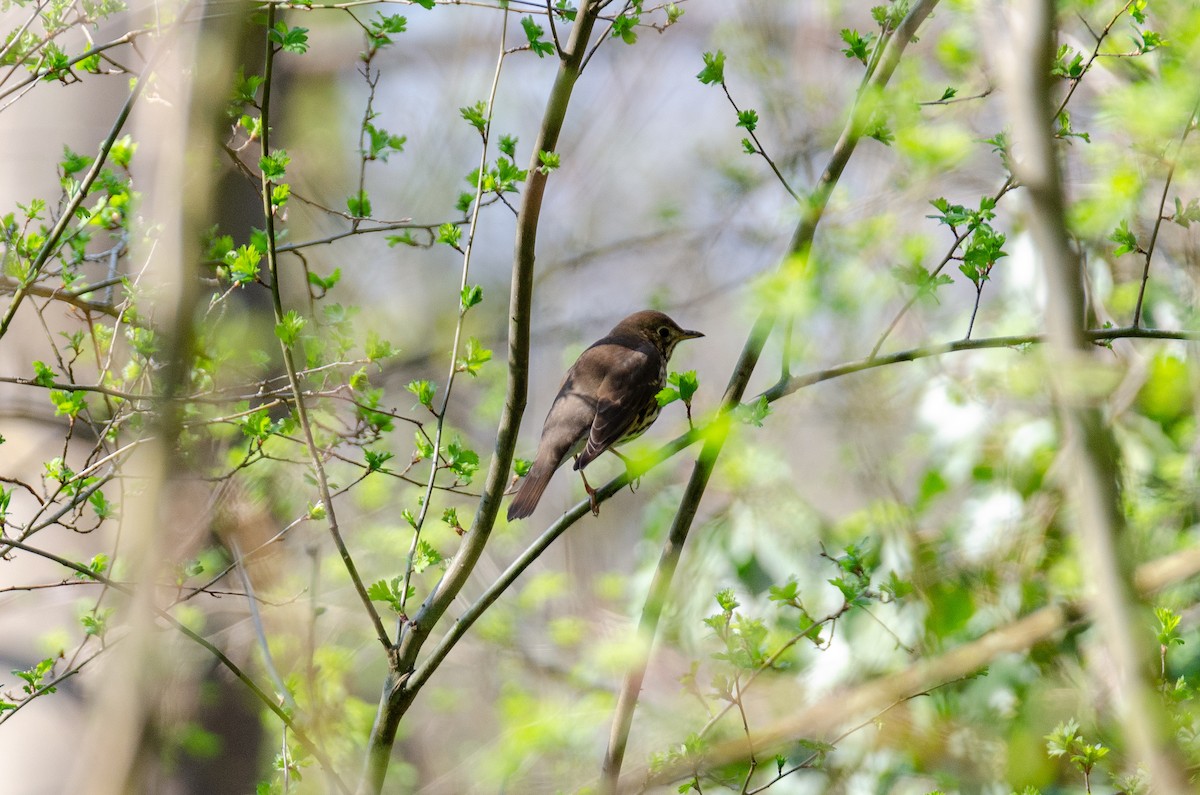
point(531, 489)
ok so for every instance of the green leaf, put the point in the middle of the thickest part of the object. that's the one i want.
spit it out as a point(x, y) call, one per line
point(381, 143)
point(326, 283)
point(449, 234)
point(380, 29)
point(508, 145)
point(97, 565)
point(68, 403)
point(288, 329)
point(425, 556)
point(274, 166)
point(424, 392)
point(1127, 242)
point(624, 27)
point(359, 205)
point(377, 348)
point(242, 264)
point(858, 47)
point(753, 413)
point(1186, 216)
point(566, 10)
point(475, 115)
point(245, 89)
point(534, 33)
point(122, 151)
point(521, 466)
point(714, 68)
point(462, 460)
point(388, 592)
point(474, 357)
point(402, 239)
point(1149, 41)
point(748, 119)
point(549, 161)
point(471, 295)
point(375, 459)
point(293, 40)
point(423, 447)
point(43, 375)
point(1067, 63)
point(72, 162)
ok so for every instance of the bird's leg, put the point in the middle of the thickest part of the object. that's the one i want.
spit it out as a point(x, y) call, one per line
point(590, 491)
point(634, 483)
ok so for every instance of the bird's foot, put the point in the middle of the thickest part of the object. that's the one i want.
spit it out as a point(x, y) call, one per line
point(591, 493)
point(634, 482)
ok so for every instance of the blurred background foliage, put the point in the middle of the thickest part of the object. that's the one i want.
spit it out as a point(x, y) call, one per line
point(867, 523)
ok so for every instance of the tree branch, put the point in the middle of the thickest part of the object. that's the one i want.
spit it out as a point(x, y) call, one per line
point(689, 503)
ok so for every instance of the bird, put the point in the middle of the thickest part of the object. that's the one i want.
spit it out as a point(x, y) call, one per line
point(608, 397)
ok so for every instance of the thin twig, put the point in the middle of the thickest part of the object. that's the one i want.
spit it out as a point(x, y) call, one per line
point(289, 360)
point(458, 326)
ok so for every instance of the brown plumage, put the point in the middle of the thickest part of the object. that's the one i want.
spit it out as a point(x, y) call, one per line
point(606, 398)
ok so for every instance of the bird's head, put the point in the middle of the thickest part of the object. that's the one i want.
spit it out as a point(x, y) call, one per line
point(663, 332)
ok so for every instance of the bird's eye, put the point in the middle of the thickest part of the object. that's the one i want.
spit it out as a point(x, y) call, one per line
point(664, 332)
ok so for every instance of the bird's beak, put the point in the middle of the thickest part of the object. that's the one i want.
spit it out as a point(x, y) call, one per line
point(691, 335)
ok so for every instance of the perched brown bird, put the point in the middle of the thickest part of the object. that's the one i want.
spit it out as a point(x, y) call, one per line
point(607, 397)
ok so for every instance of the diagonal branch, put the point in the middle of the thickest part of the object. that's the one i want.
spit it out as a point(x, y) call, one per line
point(689, 503)
point(824, 718)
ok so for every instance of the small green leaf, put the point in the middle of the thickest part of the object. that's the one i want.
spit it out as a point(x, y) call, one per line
point(424, 392)
point(471, 295)
point(753, 413)
point(274, 166)
point(377, 348)
point(288, 329)
point(375, 459)
point(475, 115)
point(549, 161)
point(293, 40)
point(1126, 241)
point(43, 375)
point(534, 33)
point(858, 47)
point(748, 119)
point(714, 69)
point(462, 460)
point(474, 357)
point(449, 234)
point(359, 205)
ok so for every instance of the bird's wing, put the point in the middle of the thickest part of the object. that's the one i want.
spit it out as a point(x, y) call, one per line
point(622, 395)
